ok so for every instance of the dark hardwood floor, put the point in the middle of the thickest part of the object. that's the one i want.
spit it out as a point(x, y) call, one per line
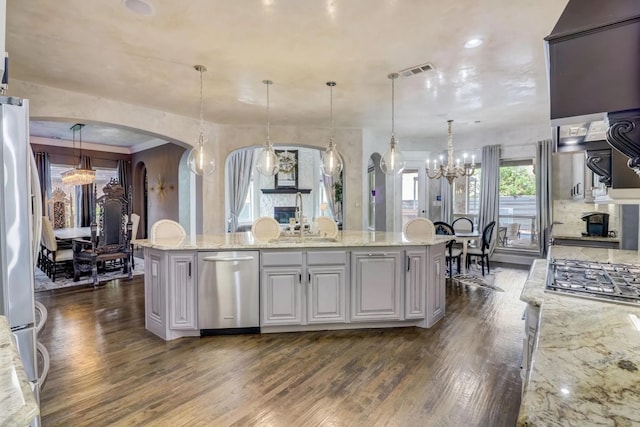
point(107, 370)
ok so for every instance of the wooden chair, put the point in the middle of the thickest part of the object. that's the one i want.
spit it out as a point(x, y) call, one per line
point(60, 209)
point(489, 238)
point(51, 257)
point(452, 251)
point(112, 242)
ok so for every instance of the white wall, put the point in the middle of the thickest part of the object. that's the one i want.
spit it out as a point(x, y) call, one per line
point(355, 145)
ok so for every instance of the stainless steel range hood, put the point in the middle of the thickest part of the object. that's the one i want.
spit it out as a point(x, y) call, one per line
point(594, 85)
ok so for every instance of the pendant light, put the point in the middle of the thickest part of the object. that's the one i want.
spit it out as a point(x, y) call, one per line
point(392, 162)
point(200, 160)
point(268, 163)
point(80, 175)
point(331, 160)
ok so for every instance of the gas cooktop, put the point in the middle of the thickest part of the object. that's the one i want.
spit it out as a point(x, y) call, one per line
point(602, 281)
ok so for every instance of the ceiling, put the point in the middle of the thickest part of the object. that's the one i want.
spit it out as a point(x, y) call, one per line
point(101, 48)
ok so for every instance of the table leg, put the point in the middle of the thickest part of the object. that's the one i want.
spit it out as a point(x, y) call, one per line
point(463, 260)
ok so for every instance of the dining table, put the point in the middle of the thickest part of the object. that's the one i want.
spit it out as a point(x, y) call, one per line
point(70, 233)
point(465, 237)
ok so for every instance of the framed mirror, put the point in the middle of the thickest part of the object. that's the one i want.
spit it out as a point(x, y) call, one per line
point(287, 177)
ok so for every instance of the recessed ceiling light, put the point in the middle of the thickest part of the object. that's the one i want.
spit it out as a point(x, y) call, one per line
point(471, 43)
point(139, 7)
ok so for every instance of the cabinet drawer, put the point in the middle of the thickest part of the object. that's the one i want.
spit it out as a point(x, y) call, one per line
point(276, 259)
point(326, 257)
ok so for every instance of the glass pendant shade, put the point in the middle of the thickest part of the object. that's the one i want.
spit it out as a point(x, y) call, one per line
point(331, 164)
point(392, 161)
point(268, 163)
point(201, 160)
point(331, 161)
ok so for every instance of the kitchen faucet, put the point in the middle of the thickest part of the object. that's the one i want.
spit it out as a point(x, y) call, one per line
point(299, 211)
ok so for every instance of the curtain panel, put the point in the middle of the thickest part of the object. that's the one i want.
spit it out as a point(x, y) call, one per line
point(43, 164)
point(85, 198)
point(123, 176)
point(239, 172)
point(446, 190)
point(489, 191)
point(543, 195)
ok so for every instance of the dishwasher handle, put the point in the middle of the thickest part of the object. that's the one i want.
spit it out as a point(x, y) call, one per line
point(215, 258)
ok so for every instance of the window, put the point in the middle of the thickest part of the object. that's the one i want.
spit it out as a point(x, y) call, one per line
point(103, 176)
point(466, 197)
point(246, 215)
point(518, 211)
point(409, 195)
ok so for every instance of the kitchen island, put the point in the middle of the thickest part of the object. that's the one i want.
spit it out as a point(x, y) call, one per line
point(361, 279)
point(583, 368)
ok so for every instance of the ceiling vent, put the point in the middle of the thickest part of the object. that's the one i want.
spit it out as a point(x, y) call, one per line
point(417, 69)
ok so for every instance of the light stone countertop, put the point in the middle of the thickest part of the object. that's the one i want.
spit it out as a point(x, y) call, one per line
point(585, 368)
point(245, 240)
point(18, 406)
point(588, 238)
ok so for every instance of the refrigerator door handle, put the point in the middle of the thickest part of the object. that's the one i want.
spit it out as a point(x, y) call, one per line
point(36, 192)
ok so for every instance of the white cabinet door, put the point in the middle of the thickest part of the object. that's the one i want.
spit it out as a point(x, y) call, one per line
point(376, 285)
point(182, 292)
point(280, 296)
point(154, 292)
point(326, 294)
point(436, 289)
point(415, 280)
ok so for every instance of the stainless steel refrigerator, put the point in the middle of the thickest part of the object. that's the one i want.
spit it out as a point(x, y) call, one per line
point(20, 232)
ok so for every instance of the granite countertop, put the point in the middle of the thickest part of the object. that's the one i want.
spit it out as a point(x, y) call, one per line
point(233, 241)
point(18, 406)
point(585, 368)
point(588, 238)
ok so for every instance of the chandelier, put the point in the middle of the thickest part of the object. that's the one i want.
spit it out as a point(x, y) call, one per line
point(81, 175)
point(451, 170)
point(200, 160)
point(331, 164)
point(268, 163)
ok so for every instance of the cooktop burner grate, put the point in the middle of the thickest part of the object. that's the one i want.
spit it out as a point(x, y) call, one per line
point(611, 282)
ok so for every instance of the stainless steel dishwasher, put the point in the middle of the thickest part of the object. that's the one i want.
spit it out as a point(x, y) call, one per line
point(228, 292)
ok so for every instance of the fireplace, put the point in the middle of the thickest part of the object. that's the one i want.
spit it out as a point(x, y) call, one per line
point(283, 213)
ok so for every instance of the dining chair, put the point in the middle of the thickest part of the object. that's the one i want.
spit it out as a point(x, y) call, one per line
point(327, 227)
point(265, 228)
point(110, 234)
point(51, 256)
point(462, 224)
point(484, 252)
point(167, 228)
point(453, 252)
point(418, 229)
